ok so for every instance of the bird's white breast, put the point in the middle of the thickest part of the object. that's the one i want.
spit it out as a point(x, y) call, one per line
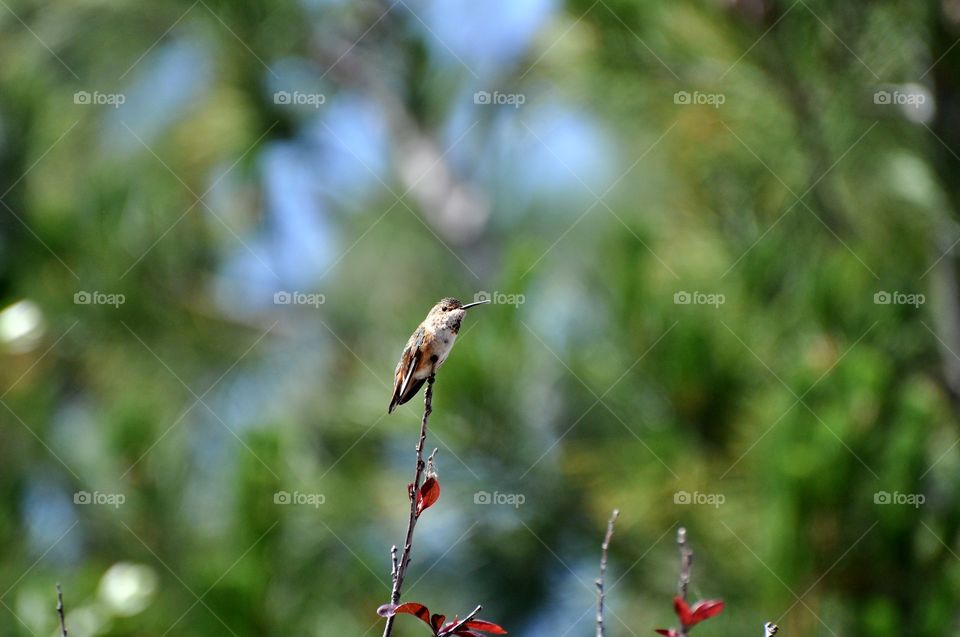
point(443, 343)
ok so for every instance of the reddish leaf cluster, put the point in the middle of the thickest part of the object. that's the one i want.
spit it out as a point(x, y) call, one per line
point(472, 628)
point(690, 617)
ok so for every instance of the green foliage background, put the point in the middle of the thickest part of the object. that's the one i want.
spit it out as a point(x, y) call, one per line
point(796, 401)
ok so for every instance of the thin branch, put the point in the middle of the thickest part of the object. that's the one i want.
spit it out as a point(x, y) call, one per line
point(770, 629)
point(393, 563)
point(603, 570)
point(463, 622)
point(401, 566)
point(63, 623)
point(686, 561)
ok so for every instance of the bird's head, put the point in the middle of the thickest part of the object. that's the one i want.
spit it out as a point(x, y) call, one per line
point(449, 312)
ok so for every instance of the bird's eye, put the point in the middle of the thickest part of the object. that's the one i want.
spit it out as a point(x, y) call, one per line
point(444, 308)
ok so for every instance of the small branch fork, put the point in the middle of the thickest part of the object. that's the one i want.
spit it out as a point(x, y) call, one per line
point(463, 622)
point(603, 571)
point(399, 567)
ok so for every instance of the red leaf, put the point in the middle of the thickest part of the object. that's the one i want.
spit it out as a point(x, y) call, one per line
point(485, 626)
point(437, 622)
point(682, 610)
point(427, 495)
point(705, 610)
point(667, 632)
point(417, 610)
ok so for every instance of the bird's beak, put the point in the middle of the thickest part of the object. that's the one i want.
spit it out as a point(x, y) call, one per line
point(463, 307)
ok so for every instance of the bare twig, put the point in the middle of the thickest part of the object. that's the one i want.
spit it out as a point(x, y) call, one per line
point(603, 570)
point(770, 629)
point(401, 566)
point(460, 624)
point(393, 563)
point(686, 561)
point(63, 623)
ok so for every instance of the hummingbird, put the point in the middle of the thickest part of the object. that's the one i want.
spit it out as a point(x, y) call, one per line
point(428, 347)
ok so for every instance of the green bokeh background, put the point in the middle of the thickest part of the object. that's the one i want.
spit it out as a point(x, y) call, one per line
point(793, 406)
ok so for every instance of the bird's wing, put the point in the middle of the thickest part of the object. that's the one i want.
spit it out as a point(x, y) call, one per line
point(409, 361)
point(412, 390)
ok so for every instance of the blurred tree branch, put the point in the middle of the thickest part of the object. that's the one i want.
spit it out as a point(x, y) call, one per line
point(779, 68)
point(946, 128)
point(449, 200)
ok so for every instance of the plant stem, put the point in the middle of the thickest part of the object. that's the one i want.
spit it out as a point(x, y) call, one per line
point(603, 571)
point(63, 623)
point(686, 560)
point(401, 567)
